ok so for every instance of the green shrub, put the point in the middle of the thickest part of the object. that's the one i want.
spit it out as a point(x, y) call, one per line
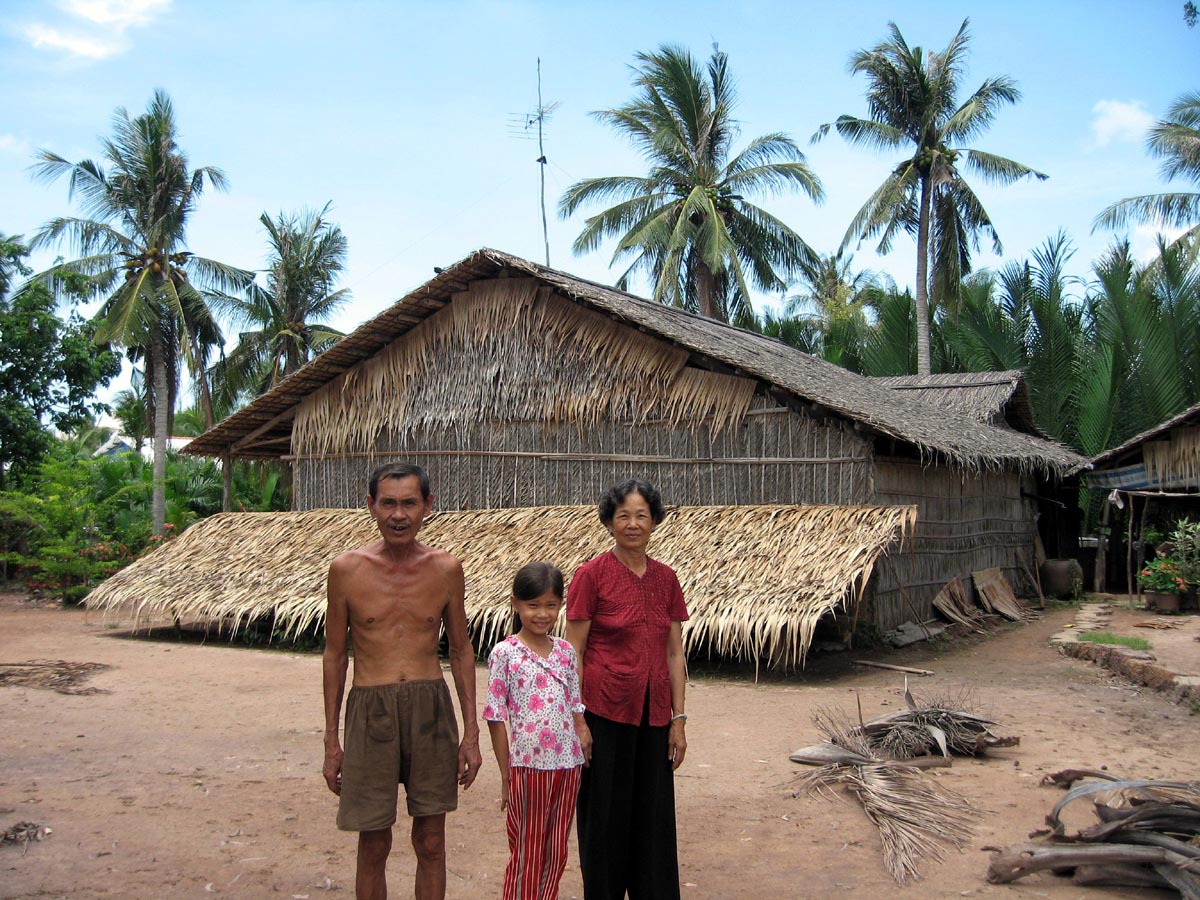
point(77, 520)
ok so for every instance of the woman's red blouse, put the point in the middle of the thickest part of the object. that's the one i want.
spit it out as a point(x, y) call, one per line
point(626, 651)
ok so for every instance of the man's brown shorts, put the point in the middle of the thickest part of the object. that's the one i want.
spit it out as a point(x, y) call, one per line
point(398, 734)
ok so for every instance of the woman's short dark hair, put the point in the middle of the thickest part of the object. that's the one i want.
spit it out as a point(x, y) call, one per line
point(535, 578)
point(616, 495)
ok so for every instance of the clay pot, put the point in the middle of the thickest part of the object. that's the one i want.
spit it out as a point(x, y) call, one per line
point(1059, 577)
point(1162, 602)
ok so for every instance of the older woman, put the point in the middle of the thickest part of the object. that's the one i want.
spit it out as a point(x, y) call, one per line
point(624, 615)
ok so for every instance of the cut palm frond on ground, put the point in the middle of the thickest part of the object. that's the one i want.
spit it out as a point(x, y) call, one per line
point(946, 725)
point(915, 815)
point(1148, 834)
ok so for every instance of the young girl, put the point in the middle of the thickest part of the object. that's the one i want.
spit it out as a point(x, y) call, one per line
point(533, 684)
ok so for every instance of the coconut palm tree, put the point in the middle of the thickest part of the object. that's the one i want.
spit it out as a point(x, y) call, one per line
point(835, 303)
point(1176, 140)
point(912, 100)
point(132, 245)
point(688, 223)
point(308, 253)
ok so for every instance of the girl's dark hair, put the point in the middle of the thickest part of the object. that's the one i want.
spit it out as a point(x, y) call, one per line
point(535, 578)
point(616, 495)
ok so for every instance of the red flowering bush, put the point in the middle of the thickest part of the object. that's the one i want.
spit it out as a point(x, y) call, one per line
point(1162, 576)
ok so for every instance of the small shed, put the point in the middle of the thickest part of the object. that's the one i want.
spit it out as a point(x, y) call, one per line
point(1158, 466)
point(518, 386)
point(1165, 459)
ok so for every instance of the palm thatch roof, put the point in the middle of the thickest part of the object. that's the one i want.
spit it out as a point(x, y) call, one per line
point(998, 398)
point(1167, 455)
point(756, 578)
point(264, 428)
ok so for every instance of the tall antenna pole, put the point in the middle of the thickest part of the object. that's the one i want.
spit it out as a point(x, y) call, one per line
point(542, 161)
point(521, 126)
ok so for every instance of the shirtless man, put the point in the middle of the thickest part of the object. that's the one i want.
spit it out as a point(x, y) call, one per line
point(393, 596)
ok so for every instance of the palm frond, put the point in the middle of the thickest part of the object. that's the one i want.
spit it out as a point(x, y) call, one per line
point(999, 169)
point(1175, 210)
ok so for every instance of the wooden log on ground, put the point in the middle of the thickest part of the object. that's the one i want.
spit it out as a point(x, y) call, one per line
point(1067, 777)
point(1020, 860)
point(1119, 875)
point(891, 668)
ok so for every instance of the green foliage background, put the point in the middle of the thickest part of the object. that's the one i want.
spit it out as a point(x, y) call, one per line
point(75, 519)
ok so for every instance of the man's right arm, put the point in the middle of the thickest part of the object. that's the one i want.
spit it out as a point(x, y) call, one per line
point(334, 663)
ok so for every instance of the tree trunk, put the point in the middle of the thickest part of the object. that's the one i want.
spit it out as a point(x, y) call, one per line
point(705, 289)
point(226, 481)
point(206, 404)
point(922, 288)
point(158, 373)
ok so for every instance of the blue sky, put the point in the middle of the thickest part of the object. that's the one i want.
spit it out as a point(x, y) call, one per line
point(400, 113)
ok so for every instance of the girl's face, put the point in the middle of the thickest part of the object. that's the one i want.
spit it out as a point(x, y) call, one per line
point(539, 614)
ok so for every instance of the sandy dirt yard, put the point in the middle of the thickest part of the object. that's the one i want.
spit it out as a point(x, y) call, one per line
point(194, 771)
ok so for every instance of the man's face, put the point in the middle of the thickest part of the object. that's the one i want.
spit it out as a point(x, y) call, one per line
point(399, 509)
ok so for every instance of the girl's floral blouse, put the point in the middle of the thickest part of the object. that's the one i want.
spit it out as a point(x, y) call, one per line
point(537, 698)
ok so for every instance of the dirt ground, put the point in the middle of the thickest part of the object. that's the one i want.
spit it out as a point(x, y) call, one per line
point(195, 771)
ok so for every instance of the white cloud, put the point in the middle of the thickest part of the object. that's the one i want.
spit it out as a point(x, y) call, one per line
point(10, 144)
point(45, 37)
point(1143, 240)
point(116, 14)
point(94, 29)
point(1114, 120)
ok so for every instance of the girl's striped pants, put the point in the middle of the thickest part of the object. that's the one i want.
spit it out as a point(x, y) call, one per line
point(541, 806)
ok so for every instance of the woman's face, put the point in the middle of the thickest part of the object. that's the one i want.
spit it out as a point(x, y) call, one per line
point(632, 523)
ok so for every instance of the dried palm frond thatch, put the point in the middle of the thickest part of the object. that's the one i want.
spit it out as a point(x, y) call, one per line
point(996, 595)
point(756, 578)
point(995, 397)
point(512, 350)
point(951, 601)
point(915, 815)
point(1174, 460)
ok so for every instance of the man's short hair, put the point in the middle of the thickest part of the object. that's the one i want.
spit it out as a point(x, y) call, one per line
point(616, 495)
point(399, 470)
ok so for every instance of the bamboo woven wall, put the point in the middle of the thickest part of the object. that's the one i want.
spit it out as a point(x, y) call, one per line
point(965, 522)
point(772, 456)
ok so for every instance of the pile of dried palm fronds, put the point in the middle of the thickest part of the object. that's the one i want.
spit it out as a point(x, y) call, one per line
point(24, 832)
point(914, 814)
point(1148, 836)
point(945, 724)
point(52, 674)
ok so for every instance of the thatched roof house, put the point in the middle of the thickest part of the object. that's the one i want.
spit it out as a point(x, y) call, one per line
point(1164, 458)
point(520, 386)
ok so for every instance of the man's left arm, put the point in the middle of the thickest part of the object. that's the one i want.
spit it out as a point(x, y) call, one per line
point(462, 668)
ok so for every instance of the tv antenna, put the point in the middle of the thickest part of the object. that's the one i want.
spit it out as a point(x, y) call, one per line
point(522, 126)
